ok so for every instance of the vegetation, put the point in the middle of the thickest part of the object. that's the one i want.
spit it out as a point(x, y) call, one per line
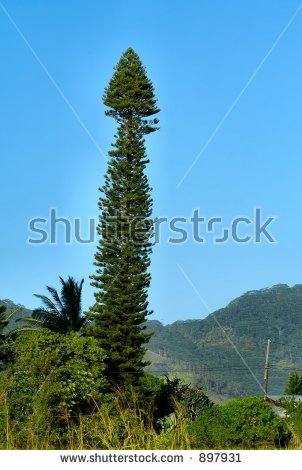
point(201, 352)
point(51, 377)
point(5, 333)
point(294, 385)
point(243, 423)
point(62, 314)
point(54, 394)
point(14, 316)
point(66, 383)
point(3, 324)
point(293, 417)
point(65, 370)
point(125, 228)
point(74, 418)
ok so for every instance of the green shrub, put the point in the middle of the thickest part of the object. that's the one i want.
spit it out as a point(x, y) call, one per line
point(195, 402)
point(207, 431)
point(251, 423)
point(53, 376)
point(242, 423)
point(293, 410)
point(159, 396)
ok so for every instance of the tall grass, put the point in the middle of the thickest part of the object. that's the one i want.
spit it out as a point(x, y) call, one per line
point(121, 424)
point(118, 425)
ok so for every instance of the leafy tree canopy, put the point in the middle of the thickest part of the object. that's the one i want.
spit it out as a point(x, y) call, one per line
point(60, 373)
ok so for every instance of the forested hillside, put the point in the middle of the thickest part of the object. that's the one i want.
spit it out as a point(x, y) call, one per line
point(216, 351)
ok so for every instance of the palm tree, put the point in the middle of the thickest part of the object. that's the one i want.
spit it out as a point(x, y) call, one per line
point(4, 334)
point(3, 324)
point(3, 320)
point(62, 314)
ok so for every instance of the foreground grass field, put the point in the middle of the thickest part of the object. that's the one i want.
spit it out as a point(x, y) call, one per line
point(123, 425)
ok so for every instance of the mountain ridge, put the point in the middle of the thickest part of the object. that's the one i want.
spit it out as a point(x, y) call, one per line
point(228, 346)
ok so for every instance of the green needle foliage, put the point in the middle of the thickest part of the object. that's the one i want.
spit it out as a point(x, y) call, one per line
point(125, 226)
point(294, 384)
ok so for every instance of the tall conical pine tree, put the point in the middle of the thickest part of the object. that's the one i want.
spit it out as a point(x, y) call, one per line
point(125, 225)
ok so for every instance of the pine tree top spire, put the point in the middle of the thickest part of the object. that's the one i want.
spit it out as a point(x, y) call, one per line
point(130, 93)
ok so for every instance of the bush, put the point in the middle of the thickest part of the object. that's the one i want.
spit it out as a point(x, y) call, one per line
point(242, 423)
point(207, 431)
point(159, 396)
point(53, 376)
point(293, 410)
point(195, 403)
point(252, 424)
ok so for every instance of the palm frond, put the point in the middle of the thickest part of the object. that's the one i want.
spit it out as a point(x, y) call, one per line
point(19, 329)
point(63, 313)
point(49, 304)
point(56, 297)
point(13, 313)
point(31, 320)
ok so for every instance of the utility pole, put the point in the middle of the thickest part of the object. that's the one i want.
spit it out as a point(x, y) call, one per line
point(266, 368)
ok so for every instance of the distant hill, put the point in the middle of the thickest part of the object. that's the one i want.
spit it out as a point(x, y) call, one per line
point(23, 312)
point(208, 351)
point(225, 352)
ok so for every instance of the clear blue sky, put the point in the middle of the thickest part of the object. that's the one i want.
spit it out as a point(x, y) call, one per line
point(199, 55)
